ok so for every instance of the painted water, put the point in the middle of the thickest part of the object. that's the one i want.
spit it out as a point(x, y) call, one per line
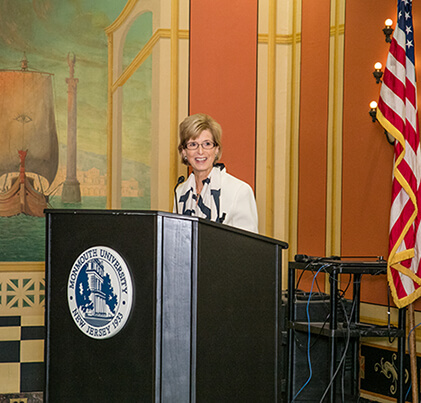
point(22, 237)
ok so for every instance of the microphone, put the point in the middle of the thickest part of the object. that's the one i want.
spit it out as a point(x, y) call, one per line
point(179, 181)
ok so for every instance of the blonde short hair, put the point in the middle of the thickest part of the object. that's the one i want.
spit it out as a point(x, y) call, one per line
point(193, 125)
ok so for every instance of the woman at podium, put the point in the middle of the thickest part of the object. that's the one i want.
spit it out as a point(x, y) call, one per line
point(210, 192)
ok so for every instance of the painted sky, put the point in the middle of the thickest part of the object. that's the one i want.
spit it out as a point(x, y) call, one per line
point(47, 31)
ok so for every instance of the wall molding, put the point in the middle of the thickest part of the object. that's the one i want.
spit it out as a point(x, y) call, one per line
point(20, 267)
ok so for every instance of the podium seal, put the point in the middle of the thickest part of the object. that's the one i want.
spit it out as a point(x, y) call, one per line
point(100, 292)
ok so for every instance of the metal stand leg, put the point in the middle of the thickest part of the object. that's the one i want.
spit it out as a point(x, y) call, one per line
point(355, 318)
point(291, 318)
point(333, 327)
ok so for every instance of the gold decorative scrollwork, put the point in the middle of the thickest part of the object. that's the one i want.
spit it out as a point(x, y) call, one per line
point(390, 371)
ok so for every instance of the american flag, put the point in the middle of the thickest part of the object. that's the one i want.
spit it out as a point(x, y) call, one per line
point(398, 113)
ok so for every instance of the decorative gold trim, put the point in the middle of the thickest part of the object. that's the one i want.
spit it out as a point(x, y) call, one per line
point(337, 30)
point(174, 92)
point(280, 39)
point(6, 267)
point(293, 143)
point(383, 347)
point(110, 122)
point(383, 398)
point(334, 141)
point(371, 344)
point(296, 37)
point(270, 141)
point(122, 17)
point(144, 53)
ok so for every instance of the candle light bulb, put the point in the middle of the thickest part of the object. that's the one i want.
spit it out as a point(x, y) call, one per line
point(378, 66)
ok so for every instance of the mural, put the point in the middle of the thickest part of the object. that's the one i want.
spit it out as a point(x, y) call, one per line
point(53, 116)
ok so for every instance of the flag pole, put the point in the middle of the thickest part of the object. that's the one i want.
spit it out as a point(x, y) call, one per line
point(413, 353)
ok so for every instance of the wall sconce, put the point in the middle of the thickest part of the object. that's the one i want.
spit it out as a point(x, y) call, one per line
point(388, 30)
point(373, 113)
point(377, 73)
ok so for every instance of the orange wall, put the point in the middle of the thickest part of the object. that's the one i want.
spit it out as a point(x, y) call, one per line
point(313, 127)
point(223, 52)
point(367, 156)
point(313, 132)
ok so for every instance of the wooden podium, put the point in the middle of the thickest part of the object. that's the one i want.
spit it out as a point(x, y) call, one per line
point(204, 321)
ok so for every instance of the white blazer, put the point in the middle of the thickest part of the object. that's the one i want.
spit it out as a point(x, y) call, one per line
point(237, 202)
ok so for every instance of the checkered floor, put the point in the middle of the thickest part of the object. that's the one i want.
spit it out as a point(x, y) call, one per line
point(21, 354)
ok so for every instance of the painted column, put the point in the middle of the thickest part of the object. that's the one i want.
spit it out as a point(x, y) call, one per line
point(71, 186)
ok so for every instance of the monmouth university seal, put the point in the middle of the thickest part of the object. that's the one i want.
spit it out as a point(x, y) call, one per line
point(100, 292)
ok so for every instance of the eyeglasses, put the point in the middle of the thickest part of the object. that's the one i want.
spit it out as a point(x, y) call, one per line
point(206, 145)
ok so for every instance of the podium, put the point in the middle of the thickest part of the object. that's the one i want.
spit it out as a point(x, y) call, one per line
point(196, 319)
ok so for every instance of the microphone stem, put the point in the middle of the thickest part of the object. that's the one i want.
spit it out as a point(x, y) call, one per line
point(179, 181)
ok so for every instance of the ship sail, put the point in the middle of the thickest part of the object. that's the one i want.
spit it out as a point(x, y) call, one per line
point(28, 140)
point(27, 122)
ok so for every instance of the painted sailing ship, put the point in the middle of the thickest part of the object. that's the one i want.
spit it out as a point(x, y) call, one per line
point(28, 141)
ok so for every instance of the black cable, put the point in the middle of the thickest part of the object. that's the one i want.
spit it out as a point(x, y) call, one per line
point(347, 286)
point(342, 358)
point(299, 278)
point(308, 267)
